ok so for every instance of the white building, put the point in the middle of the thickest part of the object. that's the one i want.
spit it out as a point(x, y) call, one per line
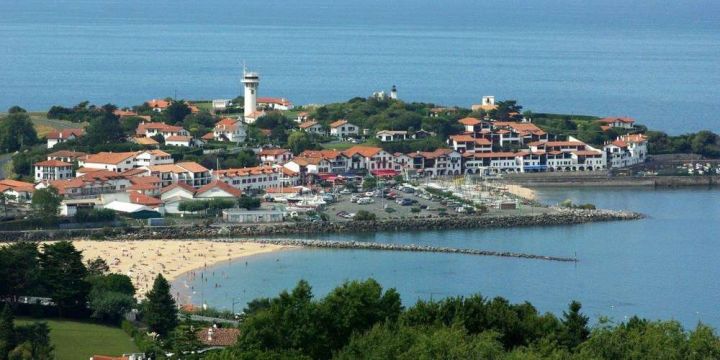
point(117, 162)
point(270, 103)
point(153, 157)
point(190, 173)
point(229, 129)
point(440, 162)
point(618, 122)
point(627, 150)
point(343, 129)
point(220, 104)
point(275, 156)
point(312, 127)
point(373, 159)
point(49, 170)
point(391, 135)
point(61, 136)
point(468, 144)
point(150, 129)
point(250, 81)
point(179, 140)
point(17, 191)
point(251, 178)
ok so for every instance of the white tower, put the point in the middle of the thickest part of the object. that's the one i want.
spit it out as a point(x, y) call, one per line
point(393, 92)
point(488, 101)
point(251, 81)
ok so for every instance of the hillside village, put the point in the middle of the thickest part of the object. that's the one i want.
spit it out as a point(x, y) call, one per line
point(305, 147)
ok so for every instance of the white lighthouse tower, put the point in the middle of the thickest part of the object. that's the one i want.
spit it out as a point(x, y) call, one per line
point(251, 81)
point(393, 93)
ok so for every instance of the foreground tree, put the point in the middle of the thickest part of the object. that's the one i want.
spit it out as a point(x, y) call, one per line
point(63, 275)
point(104, 128)
point(160, 311)
point(45, 204)
point(19, 269)
point(575, 327)
point(16, 132)
point(7, 332)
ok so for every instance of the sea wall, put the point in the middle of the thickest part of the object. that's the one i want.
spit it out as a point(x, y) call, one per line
point(560, 217)
point(566, 179)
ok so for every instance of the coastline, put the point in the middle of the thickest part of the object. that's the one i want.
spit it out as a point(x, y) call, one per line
point(142, 260)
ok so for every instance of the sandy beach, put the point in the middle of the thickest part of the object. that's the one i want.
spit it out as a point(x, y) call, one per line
point(521, 191)
point(143, 260)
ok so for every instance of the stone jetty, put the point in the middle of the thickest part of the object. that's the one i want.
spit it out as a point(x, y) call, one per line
point(398, 247)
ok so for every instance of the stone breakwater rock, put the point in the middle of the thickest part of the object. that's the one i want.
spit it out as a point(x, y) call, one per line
point(561, 216)
point(399, 247)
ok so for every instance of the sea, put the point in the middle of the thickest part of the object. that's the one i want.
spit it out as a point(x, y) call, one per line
point(662, 267)
point(654, 60)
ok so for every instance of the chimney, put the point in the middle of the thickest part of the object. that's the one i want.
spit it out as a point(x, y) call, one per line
point(210, 334)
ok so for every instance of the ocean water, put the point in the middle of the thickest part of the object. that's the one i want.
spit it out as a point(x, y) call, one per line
point(661, 267)
point(656, 60)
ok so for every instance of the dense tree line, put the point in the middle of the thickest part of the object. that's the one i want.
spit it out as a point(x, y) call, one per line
point(705, 143)
point(359, 320)
point(16, 130)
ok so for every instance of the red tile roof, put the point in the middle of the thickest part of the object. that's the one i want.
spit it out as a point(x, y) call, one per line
point(612, 119)
point(219, 185)
point(65, 133)
point(366, 151)
point(53, 163)
point(338, 123)
point(218, 337)
point(307, 124)
point(111, 158)
point(469, 121)
point(272, 100)
point(273, 152)
point(158, 103)
point(247, 171)
point(142, 199)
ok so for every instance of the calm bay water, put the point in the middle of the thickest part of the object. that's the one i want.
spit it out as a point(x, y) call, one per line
point(664, 266)
point(656, 60)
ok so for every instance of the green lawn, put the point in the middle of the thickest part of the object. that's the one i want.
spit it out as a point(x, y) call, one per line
point(78, 340)
point(343, 145)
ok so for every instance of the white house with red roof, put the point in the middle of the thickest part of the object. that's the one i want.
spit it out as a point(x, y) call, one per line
point(150, 129)
point(440, 162)
point(275, 156)
point(190, 173)
point(17, 191)
point(342, 129)
point(271, 103)
point(217, 189)
point(468, 143)
point(113, 161)
point(158, 105)
point(90, 184)
point(618, 122)
point(229, 129)
point(183, 140)
point(312, 127)
point(49, 170)
point(373, 159)
point(153, 157)
point(61, 136)
point(627, 150)
point(66, 156)
point(250, 178)
point(391, 135)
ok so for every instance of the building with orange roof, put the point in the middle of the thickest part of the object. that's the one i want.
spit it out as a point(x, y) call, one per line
point(17, 191)
point(271, 103)
point(124, 113)
point(250, 179)
point(91, 184)
point(66, 156)
point(153, 157)
point(626, 150)
point(60, 136)
point(368, 158)
point(190, 173)
point(487, 104)
point(391, 135)
point(275, 156)
point(469, 143)
point(218, 337)
point(150, 129)
point(312, 127)
point(618, 122)
point(148, 185)
point(141, 140)
point(113, 161)
point(181, 140)
point(230, 129)
point(49, 170)
point(343, 129)
point(217, 189)
point(158, 105)
point(441, 162)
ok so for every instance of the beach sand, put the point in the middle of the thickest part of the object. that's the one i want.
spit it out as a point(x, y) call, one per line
point(521, 191)
point(143, 260)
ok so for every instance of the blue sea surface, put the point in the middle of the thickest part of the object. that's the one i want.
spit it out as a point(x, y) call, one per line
point(656, 60)
point(661, 267)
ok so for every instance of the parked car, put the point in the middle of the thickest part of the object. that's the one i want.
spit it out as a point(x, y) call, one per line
point(354, 198)
point(365, 200)
point(345, 191)
point(345, 215)
point(405, 202)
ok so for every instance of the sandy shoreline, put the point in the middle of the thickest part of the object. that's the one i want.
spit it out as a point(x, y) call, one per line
point(143, 260)
point(521, 191)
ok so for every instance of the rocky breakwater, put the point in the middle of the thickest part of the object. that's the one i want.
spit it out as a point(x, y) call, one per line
point(558, 216)
point(356, 245)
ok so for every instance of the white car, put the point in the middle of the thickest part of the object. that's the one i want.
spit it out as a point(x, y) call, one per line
point(369, 194)
point(365, 200)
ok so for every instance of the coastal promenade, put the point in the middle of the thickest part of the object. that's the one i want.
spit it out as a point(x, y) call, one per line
point(602, 178)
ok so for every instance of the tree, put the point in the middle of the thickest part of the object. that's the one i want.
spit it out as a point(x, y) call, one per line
point(5, 199)
point(16, 109)
point(159, 138)
point(129, 124)
point(46, 204)
point(248, 202)
point(97, 266)
point(185, 340)
point(364, 215)
point(104, 128)
point(16, 132)
point(369, 183)
point(109, 306)
point(176, 112)
point(34, 343)
point(7, 332)
point(19, 269)
point(160, 310)
point(299, 141)
point(63, 275)
point(575, 326)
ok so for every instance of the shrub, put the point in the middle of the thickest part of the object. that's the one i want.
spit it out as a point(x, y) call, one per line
point(364, 215)
point(415, 210)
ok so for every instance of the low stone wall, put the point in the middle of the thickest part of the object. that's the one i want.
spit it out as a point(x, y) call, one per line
point(599, 180)
point(561, 217)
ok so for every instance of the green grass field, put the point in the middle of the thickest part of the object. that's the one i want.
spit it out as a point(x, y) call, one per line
point(78, 340)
